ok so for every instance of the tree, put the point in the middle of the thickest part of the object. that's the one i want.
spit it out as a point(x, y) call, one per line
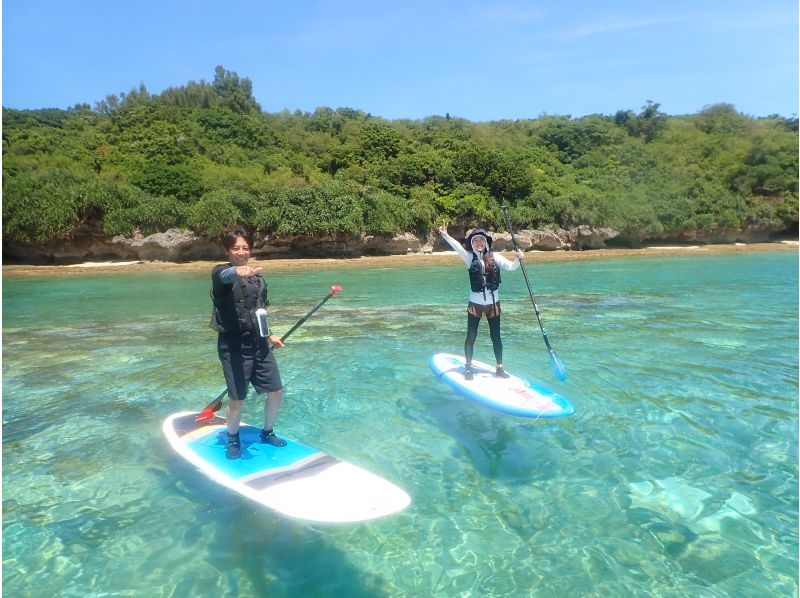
point(217, 210)
point(720, 119)
point(235, 93)
point(378, 141)
point(647, 124)
point(500, 173)
point(181, 181)
point(571, 139)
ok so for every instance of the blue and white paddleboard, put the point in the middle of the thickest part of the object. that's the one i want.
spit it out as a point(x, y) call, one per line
point(512, 395)
point(296, 480)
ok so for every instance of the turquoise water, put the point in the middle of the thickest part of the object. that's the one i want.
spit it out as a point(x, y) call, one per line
point(677, 476)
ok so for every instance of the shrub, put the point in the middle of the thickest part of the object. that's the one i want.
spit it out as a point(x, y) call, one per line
point(385, 213)
point(470, 203)
point(331, 208)
point(181, 181)
point(218, 210)
point(150, 214)
point(39, 206)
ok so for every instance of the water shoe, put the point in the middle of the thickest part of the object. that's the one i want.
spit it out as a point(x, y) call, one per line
point(501, 373)
point(268, 437)
point(234, 448)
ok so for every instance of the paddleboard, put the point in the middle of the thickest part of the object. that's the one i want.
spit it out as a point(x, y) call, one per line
point(296, 480)
point(511, 395)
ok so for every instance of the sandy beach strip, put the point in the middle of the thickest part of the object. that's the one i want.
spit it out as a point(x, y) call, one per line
point(390, 261)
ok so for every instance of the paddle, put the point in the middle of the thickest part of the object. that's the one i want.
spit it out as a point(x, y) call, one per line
point(561, 373)
point(208, 411)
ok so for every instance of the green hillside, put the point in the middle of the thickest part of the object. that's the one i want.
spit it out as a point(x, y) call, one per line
point(205, 156)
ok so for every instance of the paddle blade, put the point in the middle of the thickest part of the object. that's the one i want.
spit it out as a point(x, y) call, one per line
point(558, 367)
point(205, 415)
point(335, 289)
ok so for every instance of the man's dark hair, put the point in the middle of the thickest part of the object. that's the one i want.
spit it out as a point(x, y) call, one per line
point(229, 240)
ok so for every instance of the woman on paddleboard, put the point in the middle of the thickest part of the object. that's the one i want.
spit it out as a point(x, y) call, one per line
point(239, 294)
point(484, 267)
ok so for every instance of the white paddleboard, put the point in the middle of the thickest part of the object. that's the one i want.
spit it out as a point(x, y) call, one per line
point(296, 480)
point(511, 395)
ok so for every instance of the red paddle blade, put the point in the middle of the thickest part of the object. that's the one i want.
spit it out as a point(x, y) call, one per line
point(335, 289)
point(205, 415)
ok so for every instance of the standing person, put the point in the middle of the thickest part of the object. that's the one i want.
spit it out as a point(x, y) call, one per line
point(484, 267)
point(237, 291)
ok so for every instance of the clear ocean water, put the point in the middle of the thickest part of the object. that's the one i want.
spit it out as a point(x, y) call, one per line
point(677, 476)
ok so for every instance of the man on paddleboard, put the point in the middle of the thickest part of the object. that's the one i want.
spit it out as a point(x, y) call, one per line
point(239, 295)
point(484, 267)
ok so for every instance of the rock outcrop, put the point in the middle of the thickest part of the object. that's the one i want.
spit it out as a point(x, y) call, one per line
point(176, 245)
point(173, 245)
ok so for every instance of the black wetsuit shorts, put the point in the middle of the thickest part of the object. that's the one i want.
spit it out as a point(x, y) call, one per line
point(245, 362)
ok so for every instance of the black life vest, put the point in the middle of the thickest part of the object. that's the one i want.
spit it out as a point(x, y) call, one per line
point(235, 305)
point(480, 280)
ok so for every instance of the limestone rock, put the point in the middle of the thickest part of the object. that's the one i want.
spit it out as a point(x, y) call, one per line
point(585, 237)
point(173, 245)
point(176, 245)
point(395, 245)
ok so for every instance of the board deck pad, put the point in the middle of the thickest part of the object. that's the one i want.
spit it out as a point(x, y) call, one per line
point(296, 480)
point(511, 395)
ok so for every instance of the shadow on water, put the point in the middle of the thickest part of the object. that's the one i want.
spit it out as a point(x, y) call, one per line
point(499, 446)
point(253, 547)
point(26, 425)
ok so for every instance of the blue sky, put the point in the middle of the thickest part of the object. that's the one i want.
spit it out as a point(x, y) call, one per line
point(411, 59)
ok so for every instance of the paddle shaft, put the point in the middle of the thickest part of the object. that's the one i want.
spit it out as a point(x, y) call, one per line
point(302, 320)
point(556, 362)
point(216, 404)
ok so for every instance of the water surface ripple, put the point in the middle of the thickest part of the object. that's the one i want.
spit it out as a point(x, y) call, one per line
point(677, 476)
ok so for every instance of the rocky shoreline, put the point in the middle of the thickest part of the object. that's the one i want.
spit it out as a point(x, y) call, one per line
point(180, 246)
point(273, 264)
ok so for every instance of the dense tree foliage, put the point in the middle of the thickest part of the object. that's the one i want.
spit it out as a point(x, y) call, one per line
point(205, 156)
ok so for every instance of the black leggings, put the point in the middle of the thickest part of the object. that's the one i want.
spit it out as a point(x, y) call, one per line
point(472, 334)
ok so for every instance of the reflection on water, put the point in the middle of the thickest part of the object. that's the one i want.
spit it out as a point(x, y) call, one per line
point(677, 476)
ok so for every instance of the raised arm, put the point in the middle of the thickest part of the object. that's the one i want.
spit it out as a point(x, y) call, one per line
point(457, 247)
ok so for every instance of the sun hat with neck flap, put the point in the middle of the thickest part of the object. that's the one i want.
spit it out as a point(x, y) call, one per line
point(478, 232)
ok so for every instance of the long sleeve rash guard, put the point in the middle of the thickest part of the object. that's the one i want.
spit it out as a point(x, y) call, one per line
point(481, 297)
